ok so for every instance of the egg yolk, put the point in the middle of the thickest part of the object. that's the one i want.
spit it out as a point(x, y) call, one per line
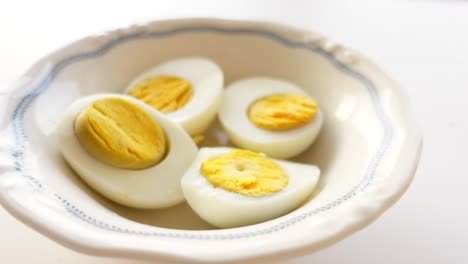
point(119, 133)
point(245, 172)
point(164, 93)
point(282, 112)
point(198, 139)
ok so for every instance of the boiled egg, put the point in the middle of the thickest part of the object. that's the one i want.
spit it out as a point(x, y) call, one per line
point(271, 116)
point(188, 90)
point(126, 150)
point(235, 187)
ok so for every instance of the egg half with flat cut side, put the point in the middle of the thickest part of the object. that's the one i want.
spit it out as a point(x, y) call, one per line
point(126, 150)
point(233, 187)
point(188, 90)
point(271, 116)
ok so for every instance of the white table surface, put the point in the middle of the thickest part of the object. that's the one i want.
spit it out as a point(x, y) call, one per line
point(422, 45)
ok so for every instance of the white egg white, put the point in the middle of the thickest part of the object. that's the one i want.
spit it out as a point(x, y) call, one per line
point(207, 80)
point(227, 209)
point(154, 187)
point(237, 99)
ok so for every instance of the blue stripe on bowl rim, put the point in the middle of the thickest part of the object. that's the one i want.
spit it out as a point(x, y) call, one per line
point(25, 102)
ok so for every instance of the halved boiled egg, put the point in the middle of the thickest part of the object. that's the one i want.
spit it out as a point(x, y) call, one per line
point(271, 116)
point(187, 90)
point(234, 187)
point(126, 150)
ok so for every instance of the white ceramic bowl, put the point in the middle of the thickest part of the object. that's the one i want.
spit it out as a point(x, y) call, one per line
point(367, 151)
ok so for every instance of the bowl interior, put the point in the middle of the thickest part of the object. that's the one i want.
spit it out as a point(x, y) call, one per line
point(350, 133)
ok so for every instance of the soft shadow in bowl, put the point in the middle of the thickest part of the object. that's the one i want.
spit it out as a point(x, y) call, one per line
point(176, 217)
point(215, 136)
point(321, 153)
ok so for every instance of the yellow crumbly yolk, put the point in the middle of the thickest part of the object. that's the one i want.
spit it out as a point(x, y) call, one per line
point(282, 112)
point(198, 139)
point(120, 133)
point(164, 93)
point(245, 172)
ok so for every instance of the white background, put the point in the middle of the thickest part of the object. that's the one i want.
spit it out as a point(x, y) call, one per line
point(422, 45)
